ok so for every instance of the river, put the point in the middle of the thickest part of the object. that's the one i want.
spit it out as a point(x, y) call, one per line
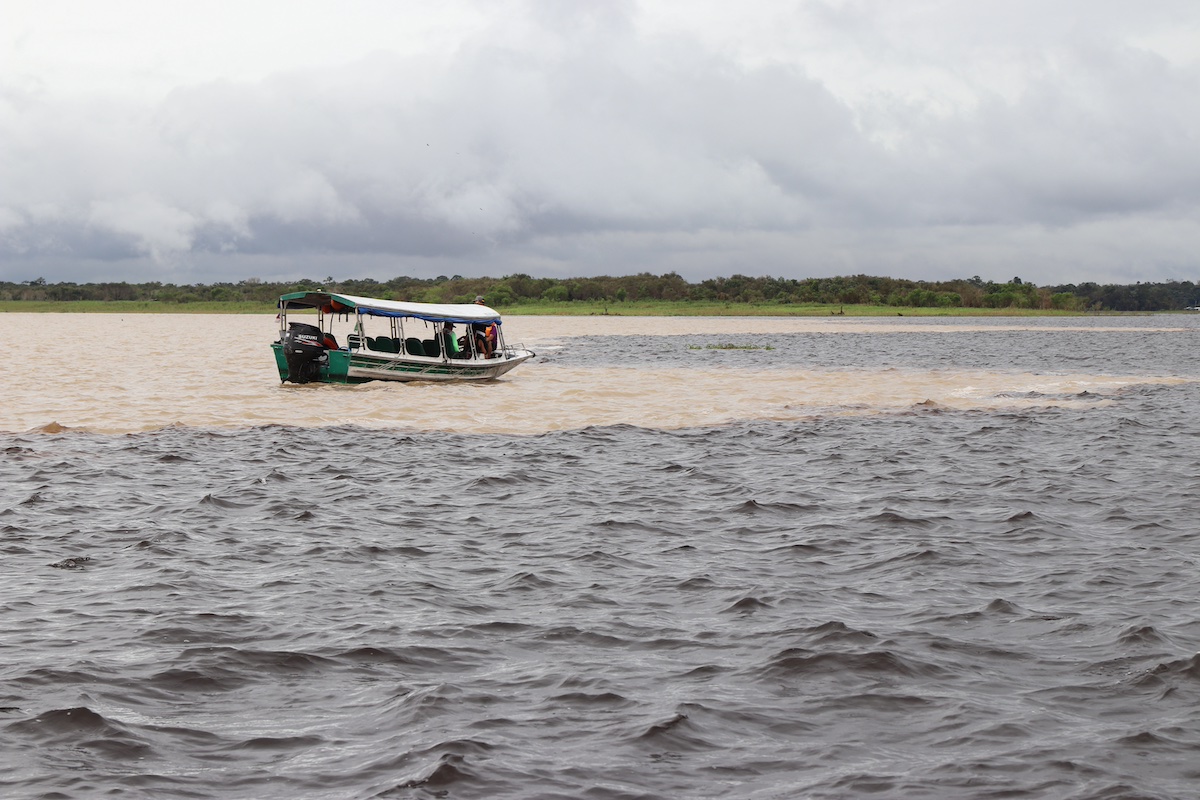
point(667, 558)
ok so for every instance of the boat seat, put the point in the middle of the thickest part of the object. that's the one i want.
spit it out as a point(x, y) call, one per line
point(413, 346)
point(432, 348)
point(353, 341)
point(384, 344)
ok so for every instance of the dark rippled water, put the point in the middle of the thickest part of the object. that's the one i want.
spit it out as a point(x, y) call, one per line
point(1054, 346)
point(926, 604)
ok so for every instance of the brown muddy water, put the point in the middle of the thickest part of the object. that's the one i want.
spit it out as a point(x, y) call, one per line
point(121, 374)
point(667, 558)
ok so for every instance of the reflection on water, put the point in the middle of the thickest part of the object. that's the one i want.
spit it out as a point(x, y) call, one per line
point(113, 374)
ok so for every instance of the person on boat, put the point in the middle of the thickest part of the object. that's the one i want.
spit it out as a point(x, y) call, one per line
point(450, 341)
point(483, 342)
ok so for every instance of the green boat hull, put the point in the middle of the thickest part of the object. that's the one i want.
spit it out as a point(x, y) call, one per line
point(343, 366)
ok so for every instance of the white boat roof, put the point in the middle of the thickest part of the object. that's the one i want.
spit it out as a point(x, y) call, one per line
point(434, 312)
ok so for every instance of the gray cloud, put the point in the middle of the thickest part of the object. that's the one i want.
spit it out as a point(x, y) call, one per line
point(571, 139)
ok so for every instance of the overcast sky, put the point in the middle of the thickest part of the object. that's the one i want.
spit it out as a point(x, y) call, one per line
point(187, 141)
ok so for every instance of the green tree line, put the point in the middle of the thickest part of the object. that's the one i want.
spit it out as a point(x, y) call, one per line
point(515, 290)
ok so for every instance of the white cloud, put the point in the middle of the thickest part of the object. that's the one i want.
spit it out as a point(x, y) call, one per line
point(10, 219)
point(920, 139)
point(156, 228)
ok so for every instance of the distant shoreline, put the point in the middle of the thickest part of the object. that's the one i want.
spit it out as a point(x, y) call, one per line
point(683, 308)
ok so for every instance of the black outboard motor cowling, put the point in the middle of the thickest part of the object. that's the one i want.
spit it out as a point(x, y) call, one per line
point(303, 347)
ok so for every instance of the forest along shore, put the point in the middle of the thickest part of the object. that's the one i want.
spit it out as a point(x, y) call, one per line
point(680, 308)
point(645, 292)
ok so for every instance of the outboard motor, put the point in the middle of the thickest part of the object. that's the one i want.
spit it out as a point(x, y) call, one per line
point(303, 347)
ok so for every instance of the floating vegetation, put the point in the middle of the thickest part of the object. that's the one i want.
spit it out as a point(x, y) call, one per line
point(730, 346)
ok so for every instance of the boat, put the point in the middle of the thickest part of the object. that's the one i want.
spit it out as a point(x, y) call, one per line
point(389, 340)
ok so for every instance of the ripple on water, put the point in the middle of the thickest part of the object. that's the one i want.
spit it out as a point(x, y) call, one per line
point(977, 602)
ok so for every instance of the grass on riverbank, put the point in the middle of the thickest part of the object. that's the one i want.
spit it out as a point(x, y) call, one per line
point(132, 307)
point(577, 308)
